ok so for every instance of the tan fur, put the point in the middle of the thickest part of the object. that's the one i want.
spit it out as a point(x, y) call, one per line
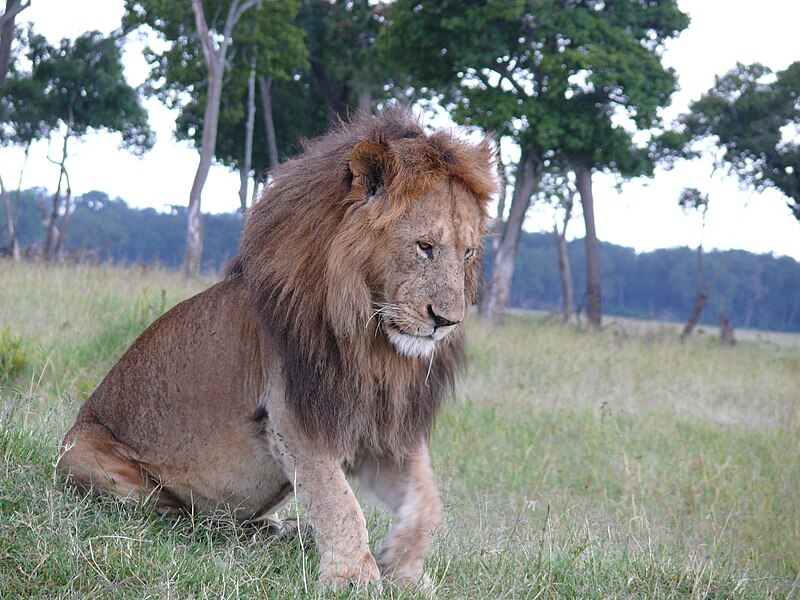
point(332, 342)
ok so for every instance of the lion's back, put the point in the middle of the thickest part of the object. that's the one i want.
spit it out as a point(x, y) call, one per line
point(195, 367)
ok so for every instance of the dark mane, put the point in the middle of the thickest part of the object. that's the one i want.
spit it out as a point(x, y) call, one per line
point(304, 252)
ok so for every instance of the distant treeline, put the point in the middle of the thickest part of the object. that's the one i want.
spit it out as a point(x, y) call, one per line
point(754, 290)
point(103, 229)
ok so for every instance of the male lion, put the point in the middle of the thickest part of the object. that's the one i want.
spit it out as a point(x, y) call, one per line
point(325, 352)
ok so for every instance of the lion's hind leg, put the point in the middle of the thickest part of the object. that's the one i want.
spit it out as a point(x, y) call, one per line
point(93, 461)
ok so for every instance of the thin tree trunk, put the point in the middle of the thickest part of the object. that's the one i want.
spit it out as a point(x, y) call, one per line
point(62, 230)
point(499, 287)
point(248, 143)
point(257, 183)
point(497, 224)
point(194, 222)
point(215, 60)
point(691, 322)
point(365, 102)
point(726, 334)
point(495, 228)
point(564, 268)
point(583, 180)
point(7, 29)
point(700, 295)
point(52, 230)
point(565, 271)
point(265, 87)
point(336, 106)
point(10, 221)
point(16, 250)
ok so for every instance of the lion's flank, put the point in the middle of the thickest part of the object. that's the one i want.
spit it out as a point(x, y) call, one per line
point(305, 252)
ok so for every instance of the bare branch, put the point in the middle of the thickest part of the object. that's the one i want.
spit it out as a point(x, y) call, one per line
point(13, 10)
point(236, 13)
point(202, 31)
point(502, 70)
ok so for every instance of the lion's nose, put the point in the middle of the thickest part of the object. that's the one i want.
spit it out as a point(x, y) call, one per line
point(440, 320)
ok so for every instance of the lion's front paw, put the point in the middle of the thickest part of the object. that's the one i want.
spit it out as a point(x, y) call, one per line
point(340, 573)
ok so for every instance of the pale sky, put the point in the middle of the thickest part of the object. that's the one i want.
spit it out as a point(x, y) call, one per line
point(644, 215)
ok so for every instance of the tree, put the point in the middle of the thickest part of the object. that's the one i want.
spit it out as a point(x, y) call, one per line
point(542, 72)
point(753, 115)
point(24, 118)
point(198, 60)
point(559, 190)
point(344, 62)
point(7, 31)
point(77, 86)
point(86, 90)
point(693, 200)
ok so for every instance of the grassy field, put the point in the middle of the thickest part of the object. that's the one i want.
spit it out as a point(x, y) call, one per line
point(573, 464)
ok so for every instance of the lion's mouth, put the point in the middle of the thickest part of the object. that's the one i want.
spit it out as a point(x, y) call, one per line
point(412, 345)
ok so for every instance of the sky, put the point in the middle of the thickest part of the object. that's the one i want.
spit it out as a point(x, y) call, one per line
point(643, 215)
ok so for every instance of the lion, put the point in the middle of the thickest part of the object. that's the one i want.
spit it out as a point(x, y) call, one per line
point(325, 352)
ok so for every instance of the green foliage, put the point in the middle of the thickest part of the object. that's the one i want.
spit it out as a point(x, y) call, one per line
point(25, 114)
point(692, 199)
point(344, 58)
point(265, 35)
point(86, 89)
point(15, 355)
point(298, 112)
point(549, 74)
point(754, 117)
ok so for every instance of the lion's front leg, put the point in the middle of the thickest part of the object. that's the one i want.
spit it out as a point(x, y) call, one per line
point(320, 485)
point(409, 490)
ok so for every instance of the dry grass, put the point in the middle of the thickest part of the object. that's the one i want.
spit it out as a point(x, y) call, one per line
point(617, 464)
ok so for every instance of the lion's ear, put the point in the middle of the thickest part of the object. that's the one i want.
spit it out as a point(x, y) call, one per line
point(368, 165)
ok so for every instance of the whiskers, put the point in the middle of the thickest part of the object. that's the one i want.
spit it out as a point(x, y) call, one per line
point(382, 309)
point(430, 364)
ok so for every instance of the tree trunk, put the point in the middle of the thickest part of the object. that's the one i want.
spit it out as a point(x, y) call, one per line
point(51, 238)
point(194, 223)
point(7, 30)
point(248, 143)
point(215, 64)
point(336, 106)
point(13, 239)
point(495, 229)
point(583, 180)
point(495, 299)
point(365, 102)
point(16, 251)
point(726, 334)
point(265, 87)
point(62, 230)
point(691, 322)
point(215, 60)
point(257, 187)
point(565, 272)
point(497, 224)
point(564, 269)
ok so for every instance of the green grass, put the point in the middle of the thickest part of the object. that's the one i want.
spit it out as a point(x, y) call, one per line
point(573, 464)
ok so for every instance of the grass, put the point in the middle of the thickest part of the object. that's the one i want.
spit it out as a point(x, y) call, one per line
point(573, 464)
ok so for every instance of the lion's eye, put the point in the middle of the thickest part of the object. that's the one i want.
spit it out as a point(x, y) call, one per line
point(425, 249)
point(469, 253)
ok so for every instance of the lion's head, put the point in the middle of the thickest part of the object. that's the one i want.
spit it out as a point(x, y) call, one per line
point(362, 257)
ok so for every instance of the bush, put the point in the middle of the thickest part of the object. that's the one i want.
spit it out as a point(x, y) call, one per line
point(15, 356)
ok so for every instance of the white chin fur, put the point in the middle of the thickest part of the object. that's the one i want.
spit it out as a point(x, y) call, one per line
point(411, 345)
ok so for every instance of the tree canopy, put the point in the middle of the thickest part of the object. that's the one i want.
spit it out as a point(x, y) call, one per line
point(753, 115)
point(569, 82)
